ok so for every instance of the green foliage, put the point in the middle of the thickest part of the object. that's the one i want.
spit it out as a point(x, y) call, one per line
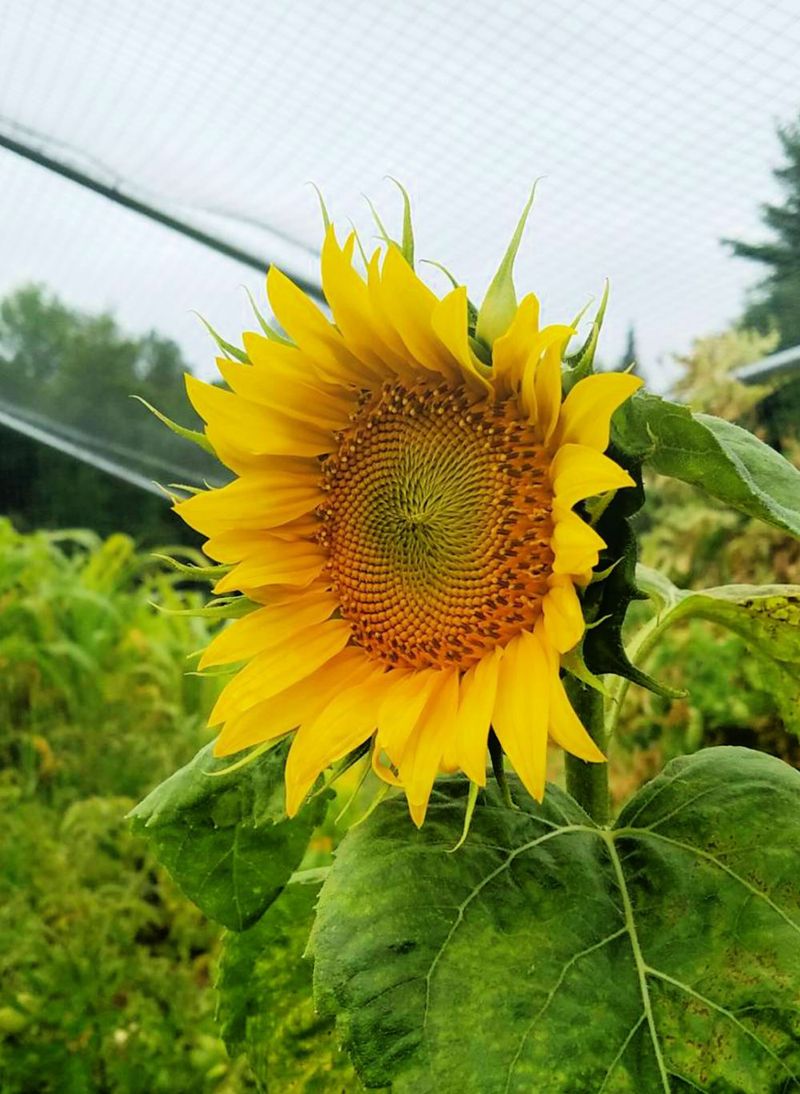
point(265, 1006)
point(659, 955)
point(224, 837)
point(773, 305)
point(724, 460)
point(79, 372)
point(104, 968)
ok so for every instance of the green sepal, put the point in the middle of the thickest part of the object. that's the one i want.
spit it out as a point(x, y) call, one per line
point(580, 364)
point(500, 303)
point(226, 348)
point(201, 573)
point(268, 331)
point(407, 242)
point(193, 435)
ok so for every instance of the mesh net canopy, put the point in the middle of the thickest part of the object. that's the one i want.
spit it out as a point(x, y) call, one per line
point(653, 126)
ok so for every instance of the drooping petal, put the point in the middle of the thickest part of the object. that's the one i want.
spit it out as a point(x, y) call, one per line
point(565, 726)
point(587, 410)
point(422, 756)
point(298, 703)
point(512, 350)
point(405, 696)
point(578, 472)
point(521, 710)
point(280, 667)
point(305, 401)
point(346, 722)
point(563, 617)
point(476, 703)
point(253, 428)
point(268, 626)
point(263, 499)
point(575, 544)
point(449, 320)
point(315, 336)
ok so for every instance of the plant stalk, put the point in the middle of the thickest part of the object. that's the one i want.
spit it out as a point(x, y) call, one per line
point(588, 783)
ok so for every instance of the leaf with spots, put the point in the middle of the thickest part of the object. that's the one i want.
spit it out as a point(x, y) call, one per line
point(549, 954)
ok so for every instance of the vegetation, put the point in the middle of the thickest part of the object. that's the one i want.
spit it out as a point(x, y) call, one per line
point(57, 367)
point(773, 304)
point(104, 968)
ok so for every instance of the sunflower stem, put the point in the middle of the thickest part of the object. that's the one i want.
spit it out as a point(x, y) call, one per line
point(588, 783)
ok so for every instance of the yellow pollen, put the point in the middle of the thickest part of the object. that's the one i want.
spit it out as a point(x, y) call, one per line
point(437, 525)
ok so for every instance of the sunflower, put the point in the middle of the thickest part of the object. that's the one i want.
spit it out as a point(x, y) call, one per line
point(402, 518)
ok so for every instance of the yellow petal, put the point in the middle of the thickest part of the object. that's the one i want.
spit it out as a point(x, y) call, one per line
point(565, 726)
point(348, 296)
point(262, 499)
point(575, 544)
point(272, 561)
point(511, 351)
point(401, 705)
point(307, 402)
point(296, 704)
point(449, 320)
point(314, 335)
point(587, 410)
point(476, 703)
point(563, 617)
point(578, 472)
point(423, 753)
point(255, 428)
point(547, 385)
point(280, 667)
point(345, 723)
point(521, 710)
point(408, 305)
point(267, 627)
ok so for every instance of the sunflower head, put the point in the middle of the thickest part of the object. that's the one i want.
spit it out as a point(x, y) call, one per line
point(402, 520)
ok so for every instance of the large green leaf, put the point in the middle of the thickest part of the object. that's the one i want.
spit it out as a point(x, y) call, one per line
point(265, 1006)
point(726, 461)
point(224, 838)
point(766, 617)
point(548, 954)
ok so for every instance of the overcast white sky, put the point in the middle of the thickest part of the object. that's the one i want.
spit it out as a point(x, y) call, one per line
point(652, 122)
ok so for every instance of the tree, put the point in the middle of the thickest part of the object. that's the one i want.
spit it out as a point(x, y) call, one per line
point(630, 355)
point(774, 304)
point(74, 373)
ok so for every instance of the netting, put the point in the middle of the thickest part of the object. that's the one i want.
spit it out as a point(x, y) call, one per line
point(653, 124)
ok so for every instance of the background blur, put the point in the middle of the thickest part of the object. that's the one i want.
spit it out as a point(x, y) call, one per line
point(155, 158)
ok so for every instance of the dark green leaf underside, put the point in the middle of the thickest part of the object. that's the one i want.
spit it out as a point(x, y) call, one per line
point(550, 955)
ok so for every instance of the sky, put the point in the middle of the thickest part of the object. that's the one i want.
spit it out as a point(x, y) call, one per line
point(651, 124)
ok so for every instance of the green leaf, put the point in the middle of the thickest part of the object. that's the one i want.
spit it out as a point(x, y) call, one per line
point(500, 303)
point(766, 617)
point(724, 460)
point(548, 954)
point(407, 242)
point(265, 1006)
point(223, 837)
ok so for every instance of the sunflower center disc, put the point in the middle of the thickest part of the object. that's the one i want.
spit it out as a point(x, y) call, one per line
point(437, 525)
